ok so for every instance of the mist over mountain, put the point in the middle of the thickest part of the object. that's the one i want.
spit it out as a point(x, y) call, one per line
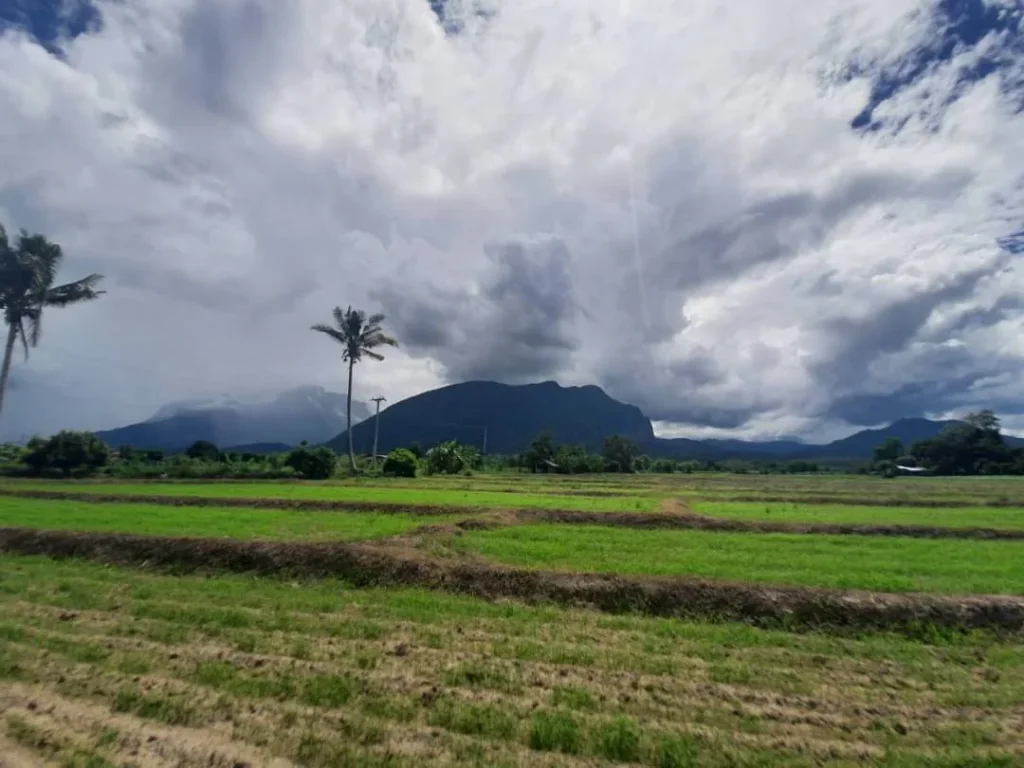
point(287, 418)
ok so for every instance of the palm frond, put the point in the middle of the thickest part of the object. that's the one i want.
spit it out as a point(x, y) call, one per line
point(378, 339)
point(371, 354)
point(339, 316)
point(376, 319)
point(73, 293)
point(43, 256)
point(34, 316)
point(331, 331)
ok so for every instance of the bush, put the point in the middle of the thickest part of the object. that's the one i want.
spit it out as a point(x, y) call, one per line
point(401, 462)
point(203, 450)
point(67, 453)
point(313, 463)
point(451, 458)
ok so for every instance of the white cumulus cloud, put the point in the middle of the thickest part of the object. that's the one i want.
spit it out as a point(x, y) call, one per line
point(663, 197)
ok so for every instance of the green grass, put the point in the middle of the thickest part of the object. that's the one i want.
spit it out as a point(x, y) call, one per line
point(230, 522)
point(341, 493)
point(967, 517)
point(893, 564)
point(282, 666)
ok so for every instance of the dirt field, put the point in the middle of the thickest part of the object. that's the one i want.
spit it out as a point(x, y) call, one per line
point(362, 624)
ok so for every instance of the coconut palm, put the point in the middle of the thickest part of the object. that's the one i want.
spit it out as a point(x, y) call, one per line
point(359, 335)
point(28, 268)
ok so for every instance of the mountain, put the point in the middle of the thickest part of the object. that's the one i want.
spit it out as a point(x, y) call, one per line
point(688, 448)
point(862, 444)
point(907, 431)
point(288, 418)
point(509, 416)
point(512, 416)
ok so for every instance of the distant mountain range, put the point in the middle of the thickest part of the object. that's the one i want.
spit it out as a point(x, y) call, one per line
point(497, 417)
point(266, 423)
point(509, 417)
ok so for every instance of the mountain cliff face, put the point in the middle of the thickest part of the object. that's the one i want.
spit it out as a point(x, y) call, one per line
point(304, 413)
point(511, 416)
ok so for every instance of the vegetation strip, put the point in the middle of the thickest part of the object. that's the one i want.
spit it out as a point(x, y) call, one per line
point(711, 523)
point(246, 502)
point(367, 565)
point(864, 501)
point(640, 520)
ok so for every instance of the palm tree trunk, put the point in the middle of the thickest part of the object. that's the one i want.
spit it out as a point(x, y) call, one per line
point(5, 372)
point(348, 417)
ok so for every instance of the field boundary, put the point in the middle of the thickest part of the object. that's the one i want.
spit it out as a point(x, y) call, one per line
point(369, 565)
point(860, 501)
point(712, 523)
point(682, 520)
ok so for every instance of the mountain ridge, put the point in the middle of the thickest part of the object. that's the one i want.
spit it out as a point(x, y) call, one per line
point(287, 418)
point(516, 414)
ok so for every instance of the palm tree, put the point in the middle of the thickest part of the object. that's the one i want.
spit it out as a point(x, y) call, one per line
point(359, 335)
point(27, 271)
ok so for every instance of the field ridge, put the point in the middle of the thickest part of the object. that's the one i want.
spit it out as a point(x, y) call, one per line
point(364, 564)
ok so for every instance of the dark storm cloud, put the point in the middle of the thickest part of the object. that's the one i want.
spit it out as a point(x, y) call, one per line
point(779, 227)
point(518, 327)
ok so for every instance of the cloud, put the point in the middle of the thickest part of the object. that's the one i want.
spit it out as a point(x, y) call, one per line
point(675, 201)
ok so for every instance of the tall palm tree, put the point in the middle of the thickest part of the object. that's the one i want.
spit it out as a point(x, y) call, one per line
point(28, 268)
point(359, 335)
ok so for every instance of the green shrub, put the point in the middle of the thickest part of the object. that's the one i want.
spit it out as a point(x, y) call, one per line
point(620, 741)
point(677, 752)
point(204, 450)
point(451, 458)
point(401, 462)
point(67, 453)
point(313, 463)
point(555, 732)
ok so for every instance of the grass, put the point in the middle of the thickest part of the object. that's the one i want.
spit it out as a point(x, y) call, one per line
point(323, 674)
point(236, 523)
point(892, 564)
point(966, 517)
point(441, 497)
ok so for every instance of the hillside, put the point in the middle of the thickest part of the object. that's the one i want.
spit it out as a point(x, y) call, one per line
point(515, 415)
point(511, 416)
point(288, 418)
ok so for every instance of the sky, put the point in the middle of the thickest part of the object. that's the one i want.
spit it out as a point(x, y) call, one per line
point(748, 218)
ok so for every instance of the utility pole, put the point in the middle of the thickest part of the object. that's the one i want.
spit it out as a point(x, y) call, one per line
point(484, 451)
point(376, 426)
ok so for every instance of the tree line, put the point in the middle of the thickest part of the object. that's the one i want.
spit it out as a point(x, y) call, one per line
point(973, 446)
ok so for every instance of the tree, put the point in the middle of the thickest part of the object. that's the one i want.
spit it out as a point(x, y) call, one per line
point(203, 450)
point(67, 452)
point(620, 453)
point(973, 446)
point(450, 458)
point(359, 335)
point(890, 450)
point(540, 453)
point(984, 420)
point(312, 463)
point(28, 269)
point(401, 462)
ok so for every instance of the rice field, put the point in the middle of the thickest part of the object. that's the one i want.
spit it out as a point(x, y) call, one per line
point(481, 649)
